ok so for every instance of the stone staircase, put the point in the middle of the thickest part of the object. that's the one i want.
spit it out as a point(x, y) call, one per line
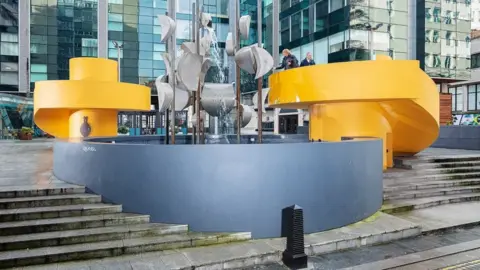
point(425, 182)
point(40, 225)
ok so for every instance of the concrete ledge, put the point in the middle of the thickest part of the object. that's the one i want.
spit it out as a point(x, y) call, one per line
point(231, 187)
point(377, 229)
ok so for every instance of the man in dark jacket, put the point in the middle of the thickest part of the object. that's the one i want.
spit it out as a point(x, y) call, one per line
point(289, 60)
point(308, 61)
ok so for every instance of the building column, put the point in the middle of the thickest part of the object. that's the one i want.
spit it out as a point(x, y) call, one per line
point(276, 121)
point(412, 30)
point(300, 118)
point(275, 47)
point(102, 41)
point(24, 46)
point(232, 26)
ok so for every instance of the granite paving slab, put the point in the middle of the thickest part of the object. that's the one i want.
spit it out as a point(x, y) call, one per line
point(444, 216)
point(418, 260)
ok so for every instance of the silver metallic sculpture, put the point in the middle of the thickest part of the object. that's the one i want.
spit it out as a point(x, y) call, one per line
point(190, 69)
point(264, 97)
point(218, 99)
point(253, 59)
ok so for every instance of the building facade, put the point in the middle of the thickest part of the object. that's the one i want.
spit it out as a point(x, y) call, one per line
point(445, 52)
point(42, 35)
point(435, 32)
point(343, 30)
point(475, 14)
point(39, 37)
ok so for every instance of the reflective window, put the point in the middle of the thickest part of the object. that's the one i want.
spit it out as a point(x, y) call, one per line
point(115, 26)
point(296, 20)
point(60, 31)
point(457, 98)
point(472, 98)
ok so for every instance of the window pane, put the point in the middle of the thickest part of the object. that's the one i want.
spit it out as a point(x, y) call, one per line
point(459, 99)
point(10, 78)
point(6, 66)
point(112, 53)
point(159, 47)
point(89, 42)
point(7, 48)
point(305, 22)
point(471, 98)
point(296, 21)
point(89, 51)
point(34, 77)
point(145, 46)
point(9, 37)
point(115, 26)
point(336, 4)
point(320, 51)
point(38, 68)
point(115, 17)
point(336, 42)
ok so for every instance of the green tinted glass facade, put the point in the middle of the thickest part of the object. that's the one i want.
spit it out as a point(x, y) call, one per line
point(337, 30)
point(133, 25)
point(60, 30)
point(9, 45)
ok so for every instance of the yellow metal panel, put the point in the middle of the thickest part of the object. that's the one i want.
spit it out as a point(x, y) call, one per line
point(92, 94)
point(91, 69)
point(392, 100)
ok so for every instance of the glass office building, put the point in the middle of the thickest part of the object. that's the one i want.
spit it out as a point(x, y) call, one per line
point(62, 29)
point(445, 28)
point(9, 49)
point(38, 37)
point(339, 30)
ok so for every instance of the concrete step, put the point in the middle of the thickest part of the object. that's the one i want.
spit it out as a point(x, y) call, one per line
point(434, 171)
point(52, 200)
point(432, 192)
point(397, 206)
point(405, 186)
point(35, 190)
point(414, 161)
point(451, 176)
point(70, 223)
point(57, 211)
point(59, 238)
point(18, 258)
point(454, 164)
point(377, 229)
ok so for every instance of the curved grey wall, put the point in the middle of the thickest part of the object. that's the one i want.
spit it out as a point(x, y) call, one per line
point(227, 188)
point(458, 137)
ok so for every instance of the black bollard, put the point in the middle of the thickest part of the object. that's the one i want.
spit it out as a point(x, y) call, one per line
point(292, 228)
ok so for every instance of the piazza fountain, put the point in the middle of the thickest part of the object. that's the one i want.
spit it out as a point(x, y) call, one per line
point(234, 183)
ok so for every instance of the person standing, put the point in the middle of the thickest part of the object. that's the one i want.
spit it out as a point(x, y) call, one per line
point(289, 60)
point(308, 61)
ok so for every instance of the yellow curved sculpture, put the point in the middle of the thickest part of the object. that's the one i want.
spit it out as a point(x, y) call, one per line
point(392, 100)
point(87, 104)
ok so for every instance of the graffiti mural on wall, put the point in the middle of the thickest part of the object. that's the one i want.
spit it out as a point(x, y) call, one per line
point(472, 119)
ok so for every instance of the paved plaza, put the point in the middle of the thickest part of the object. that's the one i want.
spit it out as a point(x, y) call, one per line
point(29, 164)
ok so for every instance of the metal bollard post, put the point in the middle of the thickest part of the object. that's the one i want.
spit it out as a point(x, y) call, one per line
point(292, 228)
